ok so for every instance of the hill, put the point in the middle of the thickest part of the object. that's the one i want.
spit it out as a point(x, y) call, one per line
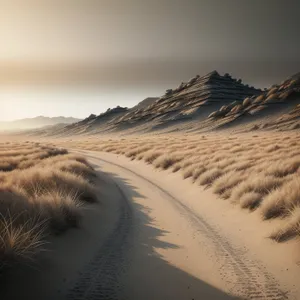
point(210, 102)
point(276, 108)
point(104, 122)
point(92, 123)
point(37, 122)
point(187, 104)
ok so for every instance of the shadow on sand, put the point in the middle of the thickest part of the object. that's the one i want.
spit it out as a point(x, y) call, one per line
point(149, 275)
point(145, 275)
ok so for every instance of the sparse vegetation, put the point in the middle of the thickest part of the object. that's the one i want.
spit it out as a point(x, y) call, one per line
point(42, 190)
point(256, 172)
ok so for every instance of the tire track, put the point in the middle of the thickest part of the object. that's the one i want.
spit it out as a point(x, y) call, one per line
point(252, 281)
point(100, 278)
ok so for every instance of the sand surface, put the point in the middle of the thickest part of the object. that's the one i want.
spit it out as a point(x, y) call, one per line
point(156, 236)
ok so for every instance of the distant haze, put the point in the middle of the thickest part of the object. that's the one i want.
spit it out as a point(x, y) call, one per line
point(36, 122)
point(76, 57)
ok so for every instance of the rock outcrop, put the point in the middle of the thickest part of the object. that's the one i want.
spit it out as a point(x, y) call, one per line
point(275, 108)
point(203, 103)
point(193, 100)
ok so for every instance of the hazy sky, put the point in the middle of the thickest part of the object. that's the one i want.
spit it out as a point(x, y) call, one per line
point(76, 57)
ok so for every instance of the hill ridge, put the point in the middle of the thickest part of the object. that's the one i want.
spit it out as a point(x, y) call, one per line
point(36, 122)
point(203, 103)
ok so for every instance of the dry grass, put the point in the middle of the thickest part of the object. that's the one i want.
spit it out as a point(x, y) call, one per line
point(166, 161)
point(209, 176)
point(256, 172)
point(282, 200)
point(42, 190)
point(291, 228)
point(224, 184)
point(250, 200)
point(151, 156)
point(19, 242)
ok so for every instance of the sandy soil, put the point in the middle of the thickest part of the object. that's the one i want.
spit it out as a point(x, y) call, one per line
point(155, 236)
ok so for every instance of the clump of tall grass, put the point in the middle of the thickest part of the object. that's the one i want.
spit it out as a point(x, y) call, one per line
point(43, 193)
point(166, 161)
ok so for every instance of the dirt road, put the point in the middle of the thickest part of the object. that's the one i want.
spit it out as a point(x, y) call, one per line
point(145, 241)
point(162, 249)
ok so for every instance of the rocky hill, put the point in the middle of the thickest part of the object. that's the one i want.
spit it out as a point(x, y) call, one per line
point(105, 122)
point(92, 123)
point(190, 102)
point(205, 103)
point(144, 103)
point(276, 108)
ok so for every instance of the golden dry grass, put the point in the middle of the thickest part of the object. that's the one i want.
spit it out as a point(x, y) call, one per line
point(42, 190)
point(259, 172)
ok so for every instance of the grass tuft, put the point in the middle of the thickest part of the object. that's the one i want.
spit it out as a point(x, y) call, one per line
point(42, 191)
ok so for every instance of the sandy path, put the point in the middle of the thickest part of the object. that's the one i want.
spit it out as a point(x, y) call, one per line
point(172, 251)
point(150, 239)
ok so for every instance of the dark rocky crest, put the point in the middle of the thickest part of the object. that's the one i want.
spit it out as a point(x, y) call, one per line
point(274, 108)
point(193, 100)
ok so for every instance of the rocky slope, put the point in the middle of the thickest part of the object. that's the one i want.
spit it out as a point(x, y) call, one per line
point(203, 103)
point(276, 108)
point(190, 102)
point(105, 122)
point(93, 122)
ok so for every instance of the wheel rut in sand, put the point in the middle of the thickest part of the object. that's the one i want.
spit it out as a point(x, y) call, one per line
point(251, 280)
point(100, 278)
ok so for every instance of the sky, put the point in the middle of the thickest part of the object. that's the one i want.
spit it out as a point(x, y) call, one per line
point(76, 57)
